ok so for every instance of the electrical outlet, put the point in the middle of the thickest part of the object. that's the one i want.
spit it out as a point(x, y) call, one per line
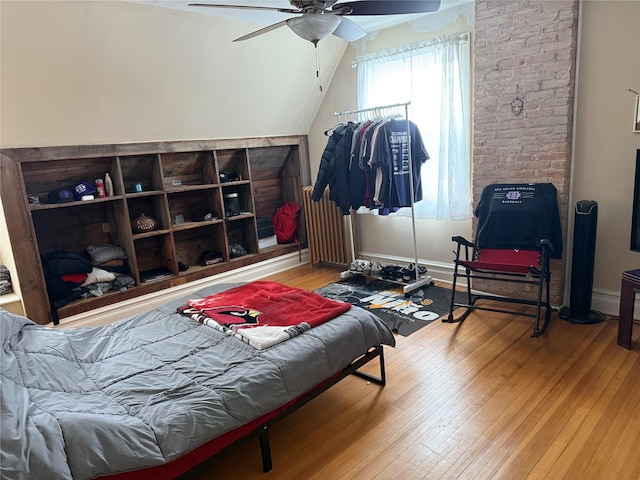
point(106, 228)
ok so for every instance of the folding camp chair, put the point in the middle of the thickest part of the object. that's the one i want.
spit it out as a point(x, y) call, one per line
point(518, 233)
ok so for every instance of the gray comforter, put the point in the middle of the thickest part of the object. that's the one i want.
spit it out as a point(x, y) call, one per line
point(79, 403)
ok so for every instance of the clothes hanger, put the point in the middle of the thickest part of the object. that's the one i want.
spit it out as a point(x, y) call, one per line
point(329, 131)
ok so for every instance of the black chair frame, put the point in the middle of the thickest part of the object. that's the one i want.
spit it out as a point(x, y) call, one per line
point(535, 275)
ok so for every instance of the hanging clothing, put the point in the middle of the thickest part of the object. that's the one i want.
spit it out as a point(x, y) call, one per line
point(334, 167)
point(367, 164)
point(391, 153)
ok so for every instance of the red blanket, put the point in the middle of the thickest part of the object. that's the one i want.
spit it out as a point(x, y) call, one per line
point(263, 313)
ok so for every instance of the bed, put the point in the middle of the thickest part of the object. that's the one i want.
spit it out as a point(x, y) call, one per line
point(155, 394)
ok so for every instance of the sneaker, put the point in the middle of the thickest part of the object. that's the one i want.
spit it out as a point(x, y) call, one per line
point(412, 267)
point(376, 269)
point(408, 274)
point(397, 273)
point(386, 272)
point(354, 266)
point(366, 267)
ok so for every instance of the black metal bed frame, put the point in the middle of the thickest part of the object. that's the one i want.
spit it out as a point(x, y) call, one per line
point(351, 369)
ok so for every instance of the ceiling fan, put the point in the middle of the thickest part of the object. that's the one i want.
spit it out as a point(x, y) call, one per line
point(320, 18)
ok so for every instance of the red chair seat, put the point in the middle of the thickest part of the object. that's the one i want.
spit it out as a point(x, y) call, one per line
point(505, 260)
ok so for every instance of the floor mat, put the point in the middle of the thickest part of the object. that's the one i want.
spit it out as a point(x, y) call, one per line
point(387, 300)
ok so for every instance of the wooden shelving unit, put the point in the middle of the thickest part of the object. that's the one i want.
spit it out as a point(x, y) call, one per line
point(181, 184)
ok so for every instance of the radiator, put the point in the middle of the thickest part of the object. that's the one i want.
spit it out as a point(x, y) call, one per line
point(326, 231)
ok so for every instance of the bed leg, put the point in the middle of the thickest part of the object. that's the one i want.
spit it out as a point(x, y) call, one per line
point(383, 377)
point(265, 449)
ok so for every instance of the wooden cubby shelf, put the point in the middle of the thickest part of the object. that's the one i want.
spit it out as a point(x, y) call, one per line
point(182, 185)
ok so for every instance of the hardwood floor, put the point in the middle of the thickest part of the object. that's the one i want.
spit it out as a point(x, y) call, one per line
point(481, 399)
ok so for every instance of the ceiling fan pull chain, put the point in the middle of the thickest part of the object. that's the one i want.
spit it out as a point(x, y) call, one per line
point(315, 44)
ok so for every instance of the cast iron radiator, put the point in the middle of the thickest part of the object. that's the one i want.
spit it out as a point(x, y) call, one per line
point(326, 232)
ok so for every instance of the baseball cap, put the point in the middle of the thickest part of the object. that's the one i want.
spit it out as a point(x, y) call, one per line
point(83, 188)
point(61, 195)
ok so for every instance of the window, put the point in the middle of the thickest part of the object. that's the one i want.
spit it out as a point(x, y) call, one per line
point(434, 77)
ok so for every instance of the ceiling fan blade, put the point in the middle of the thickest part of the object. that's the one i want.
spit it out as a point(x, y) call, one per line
point(349, 31)
point(261, 31)
point(389, 7)
point(244, 7)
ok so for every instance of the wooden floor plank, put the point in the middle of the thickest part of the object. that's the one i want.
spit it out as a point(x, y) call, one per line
point(475, 400)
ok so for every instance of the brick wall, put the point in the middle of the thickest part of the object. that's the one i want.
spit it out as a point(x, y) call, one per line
point(525, 49)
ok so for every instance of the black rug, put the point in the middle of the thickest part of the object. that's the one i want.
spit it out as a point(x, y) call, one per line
point(387, 300)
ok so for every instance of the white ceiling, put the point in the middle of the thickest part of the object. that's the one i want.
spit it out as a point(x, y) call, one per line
point(263, 18)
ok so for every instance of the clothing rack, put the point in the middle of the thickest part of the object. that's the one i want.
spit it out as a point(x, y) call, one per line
point(399, 110)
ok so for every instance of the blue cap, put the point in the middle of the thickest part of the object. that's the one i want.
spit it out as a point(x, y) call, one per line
point(62, 195)
point(83, 188)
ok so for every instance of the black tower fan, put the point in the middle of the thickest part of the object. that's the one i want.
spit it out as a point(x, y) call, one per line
point(584, 249)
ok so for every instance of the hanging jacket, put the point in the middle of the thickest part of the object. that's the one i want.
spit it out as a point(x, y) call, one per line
point(334, 167)
point(340, 191)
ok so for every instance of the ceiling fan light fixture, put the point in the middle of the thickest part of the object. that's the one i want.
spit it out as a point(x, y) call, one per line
point(314, 27)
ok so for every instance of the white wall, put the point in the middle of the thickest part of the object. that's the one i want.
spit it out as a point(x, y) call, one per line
point(87, 72)
point(605, 146)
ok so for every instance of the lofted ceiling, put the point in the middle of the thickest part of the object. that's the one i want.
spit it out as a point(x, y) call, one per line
point(92, 72)
point(263, 18)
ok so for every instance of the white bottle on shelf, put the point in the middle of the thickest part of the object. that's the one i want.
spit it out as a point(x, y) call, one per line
point(108, 185)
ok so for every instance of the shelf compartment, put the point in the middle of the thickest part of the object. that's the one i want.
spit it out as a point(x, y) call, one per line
point(143, 170)
point(243, 232)
point(184, 169)
point(233, 163)
point(245, 198)
point(154, 253)
point(151, 206)
point(42, 177)
point(276, 178)
point(192, 206)
point(191, 244)
point(76, 227)
point(271, 162)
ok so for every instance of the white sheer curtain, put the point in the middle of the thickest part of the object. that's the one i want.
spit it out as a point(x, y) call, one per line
point(434, 76)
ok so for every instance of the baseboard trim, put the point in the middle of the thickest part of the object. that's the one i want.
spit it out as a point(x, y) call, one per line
point(126, 308)
point(603, 301)
point(608, 302)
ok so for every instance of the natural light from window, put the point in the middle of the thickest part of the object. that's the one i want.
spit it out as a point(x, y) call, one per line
point(434, 77)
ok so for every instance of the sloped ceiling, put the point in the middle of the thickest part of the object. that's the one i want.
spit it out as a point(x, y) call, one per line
point(88, 72)
point(107, 72)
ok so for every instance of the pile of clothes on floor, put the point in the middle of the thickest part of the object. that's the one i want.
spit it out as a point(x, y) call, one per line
point(70, 276)
point(5, 280)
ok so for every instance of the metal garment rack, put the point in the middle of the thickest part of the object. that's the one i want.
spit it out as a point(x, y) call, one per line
point(386, 111)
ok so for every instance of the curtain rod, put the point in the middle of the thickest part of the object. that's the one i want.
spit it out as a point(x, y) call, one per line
point(407, 49)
